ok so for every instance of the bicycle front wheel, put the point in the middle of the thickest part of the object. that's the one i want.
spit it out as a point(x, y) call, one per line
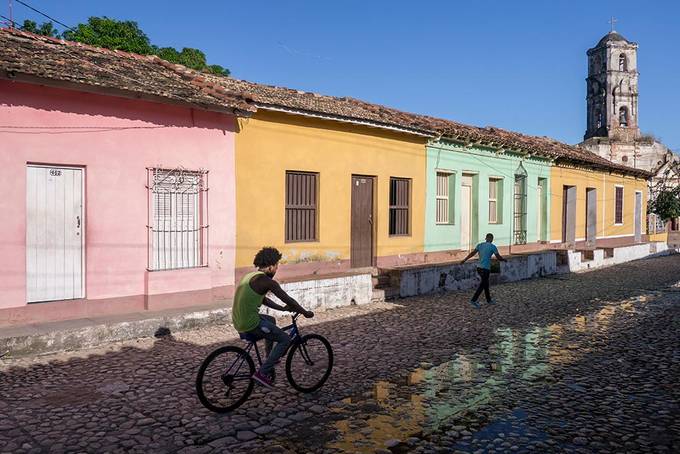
point(224, 380)
point(309, 363)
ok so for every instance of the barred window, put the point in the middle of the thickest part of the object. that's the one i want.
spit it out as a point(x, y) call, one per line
point(618, 213)
point(178, 219)
point(301, 206)
point(443, 198)
point(495, 189)
point(400, 196)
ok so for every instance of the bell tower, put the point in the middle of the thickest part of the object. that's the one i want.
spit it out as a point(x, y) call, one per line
point(612, 89)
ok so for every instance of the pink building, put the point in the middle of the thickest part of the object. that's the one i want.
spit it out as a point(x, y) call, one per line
point(118, 183)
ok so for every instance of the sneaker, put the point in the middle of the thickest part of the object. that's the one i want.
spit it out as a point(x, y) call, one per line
point(492, 302)
point(475, 304)
point(263, 380)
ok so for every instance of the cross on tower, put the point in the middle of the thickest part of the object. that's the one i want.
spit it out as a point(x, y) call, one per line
point(612, 21)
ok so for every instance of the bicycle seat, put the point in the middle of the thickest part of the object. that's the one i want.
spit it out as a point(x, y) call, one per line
point(249, 337)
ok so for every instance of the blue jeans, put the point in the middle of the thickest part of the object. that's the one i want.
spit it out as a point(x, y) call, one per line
point(268, 331)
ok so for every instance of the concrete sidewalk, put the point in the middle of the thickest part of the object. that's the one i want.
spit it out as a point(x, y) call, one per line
point(90, 332)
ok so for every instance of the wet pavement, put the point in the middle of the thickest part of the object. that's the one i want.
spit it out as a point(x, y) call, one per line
point(579, 363)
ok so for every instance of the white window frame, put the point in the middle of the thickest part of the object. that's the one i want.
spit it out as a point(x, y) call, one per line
point(497, 180)
point(623, 204)
point(439, 197)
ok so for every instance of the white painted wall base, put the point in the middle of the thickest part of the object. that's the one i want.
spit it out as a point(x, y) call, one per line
point(577, 262)
point(329, 293)
point(422, 280)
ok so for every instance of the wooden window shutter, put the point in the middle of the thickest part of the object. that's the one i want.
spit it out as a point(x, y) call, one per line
point(400, 197)
point(301, 206)
point(618, 215)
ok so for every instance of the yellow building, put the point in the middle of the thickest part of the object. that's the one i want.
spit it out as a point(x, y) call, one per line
point(328, 193)
point(589, 203)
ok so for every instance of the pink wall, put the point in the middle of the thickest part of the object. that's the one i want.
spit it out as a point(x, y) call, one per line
point(115, 161)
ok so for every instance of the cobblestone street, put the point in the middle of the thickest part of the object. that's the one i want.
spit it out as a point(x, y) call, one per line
point(574, 363)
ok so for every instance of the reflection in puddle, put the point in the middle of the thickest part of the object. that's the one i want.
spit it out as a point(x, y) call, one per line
point(431, 397)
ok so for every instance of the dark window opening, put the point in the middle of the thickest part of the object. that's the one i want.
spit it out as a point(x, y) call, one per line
point(623, 116)
point(400, 196)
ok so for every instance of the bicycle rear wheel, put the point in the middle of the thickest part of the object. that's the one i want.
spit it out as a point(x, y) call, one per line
point(309, 363)
point(224, 380)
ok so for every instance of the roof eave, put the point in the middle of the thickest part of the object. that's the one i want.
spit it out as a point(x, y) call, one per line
point(344, 119)
point(117, 92)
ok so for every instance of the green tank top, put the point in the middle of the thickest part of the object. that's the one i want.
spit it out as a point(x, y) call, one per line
point(245, 313)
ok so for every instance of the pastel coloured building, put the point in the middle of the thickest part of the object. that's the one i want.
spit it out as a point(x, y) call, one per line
point(109, 159)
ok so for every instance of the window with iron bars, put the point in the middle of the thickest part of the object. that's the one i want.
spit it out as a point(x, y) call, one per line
point(178, 218)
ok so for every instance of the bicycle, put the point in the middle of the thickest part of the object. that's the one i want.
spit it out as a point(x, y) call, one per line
point(228, 386)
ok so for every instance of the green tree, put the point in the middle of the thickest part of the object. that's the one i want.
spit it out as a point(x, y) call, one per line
point(666, 204)
point(111, 34)
point(127, 36)
point(46, 28)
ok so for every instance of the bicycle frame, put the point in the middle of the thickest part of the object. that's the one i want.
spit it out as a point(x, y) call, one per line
point(294, 337)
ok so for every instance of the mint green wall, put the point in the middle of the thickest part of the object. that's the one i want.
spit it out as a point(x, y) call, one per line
point(483, 164)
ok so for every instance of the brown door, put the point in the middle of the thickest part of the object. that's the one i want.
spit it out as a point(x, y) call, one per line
point(591, 216)
point(362, 222)
point(569, 215)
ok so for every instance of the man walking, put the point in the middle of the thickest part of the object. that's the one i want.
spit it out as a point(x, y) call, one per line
point(485, 251)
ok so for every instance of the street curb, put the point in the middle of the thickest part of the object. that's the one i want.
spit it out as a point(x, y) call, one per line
point(86, 333)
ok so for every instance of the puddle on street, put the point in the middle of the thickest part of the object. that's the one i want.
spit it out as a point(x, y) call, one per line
point(430, 398)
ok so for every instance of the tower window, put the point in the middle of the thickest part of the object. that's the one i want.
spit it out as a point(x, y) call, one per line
point(623, 116)
point(623, 63)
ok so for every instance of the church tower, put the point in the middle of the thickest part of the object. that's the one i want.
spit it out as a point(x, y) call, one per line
point(612, 90)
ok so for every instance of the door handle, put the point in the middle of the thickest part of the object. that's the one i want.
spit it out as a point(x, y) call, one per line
point(370, 219)
point(78, 222)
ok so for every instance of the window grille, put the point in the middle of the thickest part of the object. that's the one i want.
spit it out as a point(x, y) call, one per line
point(400, 195)
point(618, 209)
point(443, 198)
point(520, 206)
point(301, 206)
point(178, 218)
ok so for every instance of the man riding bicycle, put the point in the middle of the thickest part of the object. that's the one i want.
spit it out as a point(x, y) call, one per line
point(246, 317)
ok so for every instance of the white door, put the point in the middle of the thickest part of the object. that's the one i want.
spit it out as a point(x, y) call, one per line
point(54, 233)
point(539, 206)
point(465, 216)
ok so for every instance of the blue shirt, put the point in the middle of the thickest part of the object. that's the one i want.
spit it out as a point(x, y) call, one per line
point(486, 251)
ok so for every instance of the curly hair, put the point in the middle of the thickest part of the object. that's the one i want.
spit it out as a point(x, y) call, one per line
point(268, 256)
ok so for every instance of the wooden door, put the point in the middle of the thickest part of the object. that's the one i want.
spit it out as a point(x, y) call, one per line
point(569, 215)
point(638, 217)
point(54, 233)
point(591, 216)
point(466, 213)
point(361, 254)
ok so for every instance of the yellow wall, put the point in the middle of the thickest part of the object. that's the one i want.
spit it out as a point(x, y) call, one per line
point(605, 184)
point(270, 143)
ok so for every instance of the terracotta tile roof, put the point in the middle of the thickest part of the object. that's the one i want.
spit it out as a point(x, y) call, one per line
point(24, 54)
point(53, 59)
point(265, 96)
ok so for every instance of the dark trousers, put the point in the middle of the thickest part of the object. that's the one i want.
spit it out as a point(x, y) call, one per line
point(271, 333)
point(484, 285)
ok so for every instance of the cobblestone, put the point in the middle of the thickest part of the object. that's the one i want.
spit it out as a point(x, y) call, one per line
point(590, 356)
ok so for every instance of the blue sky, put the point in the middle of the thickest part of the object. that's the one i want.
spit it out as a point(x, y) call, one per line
point(514, 64)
